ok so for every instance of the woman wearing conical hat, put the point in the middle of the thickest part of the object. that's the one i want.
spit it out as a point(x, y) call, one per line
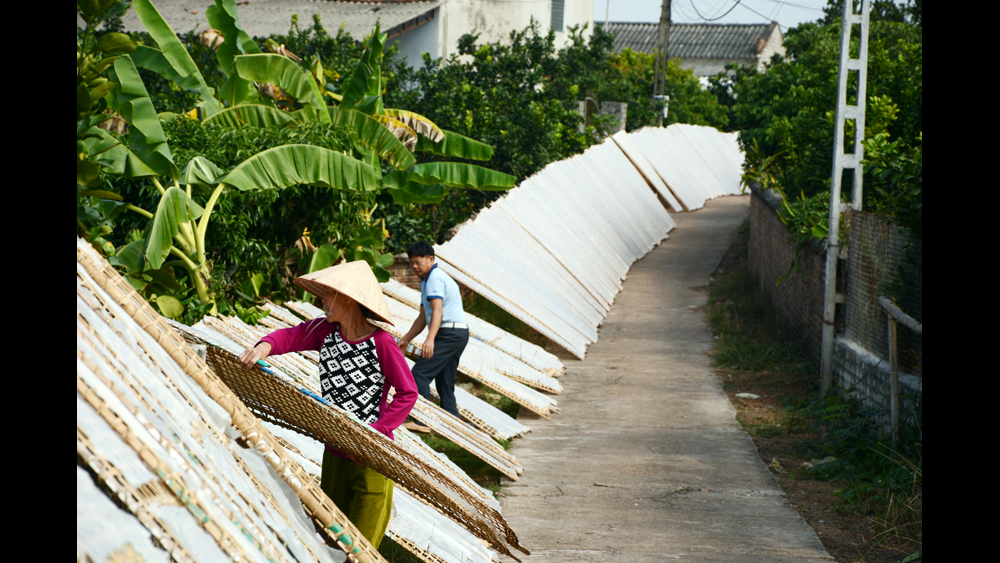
point(358, 364)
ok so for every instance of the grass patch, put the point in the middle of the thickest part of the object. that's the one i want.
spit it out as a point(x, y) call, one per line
point(867, 504)
point(395, 553)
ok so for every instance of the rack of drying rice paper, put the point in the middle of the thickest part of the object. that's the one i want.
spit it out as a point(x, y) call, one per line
point(199, 475)
point(541, 404)
point(252, 389)
point(280, 400)
point(234, 335)
point(531, 354)
point(478, 353)
point(479, 413)
point(416, 526)
point(559, 272)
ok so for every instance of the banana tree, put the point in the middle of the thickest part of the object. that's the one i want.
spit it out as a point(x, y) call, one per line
point(178, 225)
point(384, 135)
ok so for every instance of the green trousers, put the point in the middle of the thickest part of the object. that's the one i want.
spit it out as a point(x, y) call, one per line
point(363, 494)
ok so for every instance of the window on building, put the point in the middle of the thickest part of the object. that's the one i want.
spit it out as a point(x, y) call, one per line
point(557, 14)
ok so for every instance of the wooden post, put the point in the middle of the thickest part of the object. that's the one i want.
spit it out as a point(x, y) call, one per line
point(660, 68)
point(894, 382)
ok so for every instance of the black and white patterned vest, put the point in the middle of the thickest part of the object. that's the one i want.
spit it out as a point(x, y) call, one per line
point(350, 376)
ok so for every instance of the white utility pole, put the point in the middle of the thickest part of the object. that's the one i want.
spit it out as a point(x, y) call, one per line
point(842, 161)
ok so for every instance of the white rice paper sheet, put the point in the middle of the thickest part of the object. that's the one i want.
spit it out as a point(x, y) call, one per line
point(499, 424)
point(187, 432)
point(104, 531)
point(554, 250)
point(589, 266)
point(669, 163)
point(577, 346)
point(513, 263)
point(494, 222)
point(635, 155)
point(708, 182)
point(723, 158)
point(636, 199)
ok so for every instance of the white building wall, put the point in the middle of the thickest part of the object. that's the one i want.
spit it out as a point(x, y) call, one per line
point(495, 19)
point(576, 12)
point(422, 39)
point(775, 44)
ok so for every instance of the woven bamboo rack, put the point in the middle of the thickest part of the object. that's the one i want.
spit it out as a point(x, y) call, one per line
point(103, 294)
point(514, 390)
point(531, 354)
point(478, 353)
point(412, 522)
point(287, 406)
point(472, 440)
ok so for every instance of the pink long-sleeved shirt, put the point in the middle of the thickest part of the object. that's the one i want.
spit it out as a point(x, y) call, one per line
point(310, 336)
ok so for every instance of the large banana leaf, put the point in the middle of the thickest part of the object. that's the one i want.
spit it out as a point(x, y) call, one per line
point(289, 165)
point(175, 53)
point(223, 16)
point(460, 175)
point(146, 138)
point(254, 115)
point(457, 146)
point(284, 73)
point(417, 122)
point(153, 59)
point(365, 82)
point(175, 208)
point(413, 192)
point(201, 172)
point(110, 153)
point(375, 136)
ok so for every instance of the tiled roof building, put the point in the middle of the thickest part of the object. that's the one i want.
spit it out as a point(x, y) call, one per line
point(704, 47)
point(432, 26)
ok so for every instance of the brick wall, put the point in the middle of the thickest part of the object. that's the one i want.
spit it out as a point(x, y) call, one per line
point(798, 299)
point(798, 302)
point(402, 272)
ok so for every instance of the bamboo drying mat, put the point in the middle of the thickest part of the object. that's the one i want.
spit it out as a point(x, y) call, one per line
point(513, 390)
point(108, 296)
point(287, 406)
point(410, 516)
point(281, 403)
point(479, 413)
point(471, 439)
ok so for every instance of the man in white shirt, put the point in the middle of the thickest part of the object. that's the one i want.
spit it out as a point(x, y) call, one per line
point(447, 334)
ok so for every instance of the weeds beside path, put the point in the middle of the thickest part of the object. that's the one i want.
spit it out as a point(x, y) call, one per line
point(866, 505)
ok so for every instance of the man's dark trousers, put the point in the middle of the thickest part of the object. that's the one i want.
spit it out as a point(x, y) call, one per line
point(442, 367)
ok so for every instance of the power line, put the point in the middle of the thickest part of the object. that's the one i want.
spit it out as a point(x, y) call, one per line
point(713, 19)
point(796, 5)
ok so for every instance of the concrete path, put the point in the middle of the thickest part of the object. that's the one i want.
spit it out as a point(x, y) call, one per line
point(646, 462)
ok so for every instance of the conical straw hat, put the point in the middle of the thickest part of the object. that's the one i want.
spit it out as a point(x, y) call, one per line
point(353, 279)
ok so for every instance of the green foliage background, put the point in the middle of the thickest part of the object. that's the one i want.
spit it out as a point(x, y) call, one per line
point(521, 97)
point(786, 117)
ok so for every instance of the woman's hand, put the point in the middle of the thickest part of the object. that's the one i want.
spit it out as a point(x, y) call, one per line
point(250, 356)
